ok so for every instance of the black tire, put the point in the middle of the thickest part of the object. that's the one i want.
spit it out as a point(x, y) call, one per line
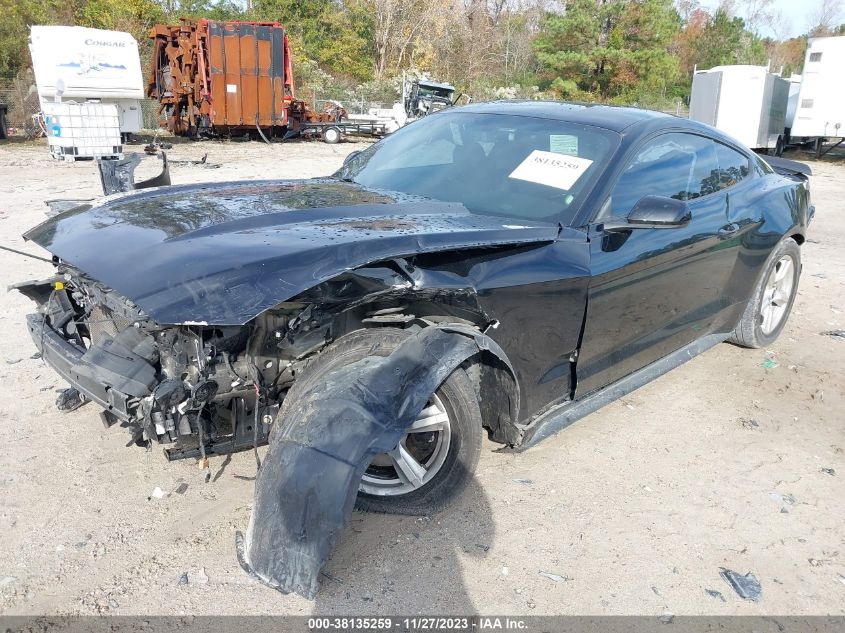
point(748, 332)
point(332, 135)
point(458, 397)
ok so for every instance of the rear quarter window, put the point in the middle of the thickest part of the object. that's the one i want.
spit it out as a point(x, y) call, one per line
point(734, 167)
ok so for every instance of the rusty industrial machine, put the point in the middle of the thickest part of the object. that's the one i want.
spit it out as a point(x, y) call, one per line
point(229, 78)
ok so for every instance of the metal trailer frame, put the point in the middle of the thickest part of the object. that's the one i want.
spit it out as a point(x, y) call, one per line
point(362, 128)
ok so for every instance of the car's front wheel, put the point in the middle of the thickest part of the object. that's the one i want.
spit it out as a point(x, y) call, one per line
point(438, 455)
point(772, 299)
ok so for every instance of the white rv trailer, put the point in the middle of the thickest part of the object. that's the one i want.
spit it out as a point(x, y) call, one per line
point(792, 107)
point(746, 102)
point(821, 99)
point(78, 64)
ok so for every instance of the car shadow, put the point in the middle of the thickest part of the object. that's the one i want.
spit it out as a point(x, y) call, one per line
point(403, 565)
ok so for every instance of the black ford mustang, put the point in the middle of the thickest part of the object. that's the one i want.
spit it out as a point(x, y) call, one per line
point(585, 249)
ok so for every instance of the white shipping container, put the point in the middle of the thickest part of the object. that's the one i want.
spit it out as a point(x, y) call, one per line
point(83, 130)
point(821, 99)
point(78, 63)
point(746, 102)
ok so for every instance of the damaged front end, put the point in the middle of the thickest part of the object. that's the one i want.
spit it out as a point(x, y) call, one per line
point(195, 388)
point(200, 390)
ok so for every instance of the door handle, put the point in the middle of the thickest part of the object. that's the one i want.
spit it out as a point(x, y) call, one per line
point(729, 229)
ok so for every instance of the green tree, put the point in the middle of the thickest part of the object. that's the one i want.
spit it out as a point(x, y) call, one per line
point(135, 17)
point(335, 34)
point(609, 49)
point(18, 16)
point(725, 40)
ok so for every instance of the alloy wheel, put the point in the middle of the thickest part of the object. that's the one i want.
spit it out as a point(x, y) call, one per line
point(417, 458)
point(776, 294)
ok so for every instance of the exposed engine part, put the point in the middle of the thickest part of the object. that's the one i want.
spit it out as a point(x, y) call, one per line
point(198, 390)
point(170, 393)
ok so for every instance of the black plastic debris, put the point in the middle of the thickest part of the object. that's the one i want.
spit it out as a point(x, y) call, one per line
point(829, 471)
point(306, 488)
point(747, 587)
point(118, 175)
point(835, 333)
point(69, 400)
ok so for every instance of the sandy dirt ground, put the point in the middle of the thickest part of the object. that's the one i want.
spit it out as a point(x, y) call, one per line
point(633, 510)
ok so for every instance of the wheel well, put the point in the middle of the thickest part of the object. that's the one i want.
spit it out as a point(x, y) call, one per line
point(493, 379)
point(799, 239)
point(498, 397)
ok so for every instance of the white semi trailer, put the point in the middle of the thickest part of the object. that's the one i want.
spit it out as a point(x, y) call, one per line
point(746, 102)
point(820, 113)
point(78, 64)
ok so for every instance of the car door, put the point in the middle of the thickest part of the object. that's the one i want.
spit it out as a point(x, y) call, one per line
point(653, 290)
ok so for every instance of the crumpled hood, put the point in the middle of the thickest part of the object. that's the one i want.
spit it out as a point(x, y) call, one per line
point(223, 253)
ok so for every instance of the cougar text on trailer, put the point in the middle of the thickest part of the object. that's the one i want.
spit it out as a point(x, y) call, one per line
point(78, 64)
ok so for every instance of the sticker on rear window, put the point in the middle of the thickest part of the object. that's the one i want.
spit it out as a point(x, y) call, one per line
point(563, 144)
point(551, 169)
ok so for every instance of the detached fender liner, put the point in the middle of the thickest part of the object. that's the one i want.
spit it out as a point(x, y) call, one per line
point(306, 488)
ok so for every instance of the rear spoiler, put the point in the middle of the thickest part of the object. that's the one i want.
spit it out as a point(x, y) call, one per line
point(788, 167)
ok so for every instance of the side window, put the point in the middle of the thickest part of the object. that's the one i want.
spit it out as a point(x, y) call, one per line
point(733, 166)
point(677, 165)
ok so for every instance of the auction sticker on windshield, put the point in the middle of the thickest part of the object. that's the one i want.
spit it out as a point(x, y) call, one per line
point(551, 169)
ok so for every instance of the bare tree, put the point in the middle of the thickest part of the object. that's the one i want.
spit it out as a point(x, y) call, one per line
point(686, 8)
point(824, 19)
point(728, 6)
point(757, 14)
point(780, 26)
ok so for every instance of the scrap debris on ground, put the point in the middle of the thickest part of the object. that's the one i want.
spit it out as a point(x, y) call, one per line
point(746, 587)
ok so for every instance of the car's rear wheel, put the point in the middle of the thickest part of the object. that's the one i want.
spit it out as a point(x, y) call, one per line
point(772, 299)
point(437, 456)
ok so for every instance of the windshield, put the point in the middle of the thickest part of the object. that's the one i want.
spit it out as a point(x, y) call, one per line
point(493, 164)
point(430, 91)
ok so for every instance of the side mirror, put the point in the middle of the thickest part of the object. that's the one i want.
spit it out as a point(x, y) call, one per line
point(654, 212)
point(659, 212)
point(351, 156)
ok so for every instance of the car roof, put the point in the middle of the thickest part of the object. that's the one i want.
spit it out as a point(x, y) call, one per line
point(615, 118)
